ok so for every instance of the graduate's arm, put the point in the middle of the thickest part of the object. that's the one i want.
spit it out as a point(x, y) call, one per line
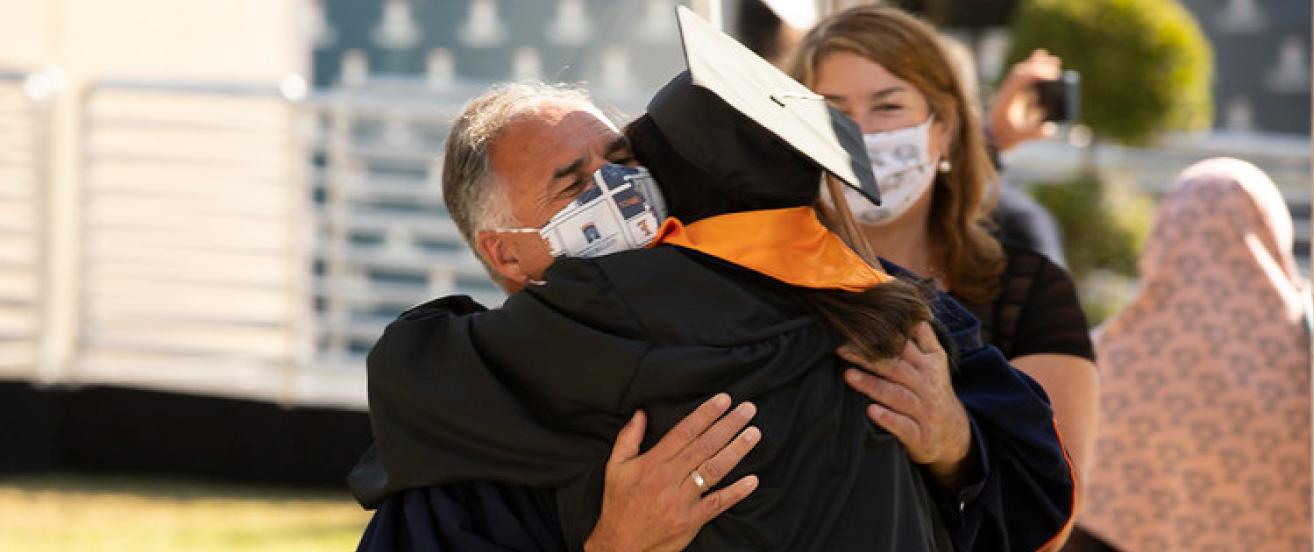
point(519, 395)
point(1027, 498)
point(1073, 384)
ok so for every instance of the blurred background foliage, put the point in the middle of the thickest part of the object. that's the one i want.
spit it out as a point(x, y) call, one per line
point(1146, 67)
point(1146, 70)
point(1104, 223)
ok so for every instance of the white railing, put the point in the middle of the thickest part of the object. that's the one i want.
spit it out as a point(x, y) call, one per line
point(253, 242)
point(195, 224)
point(24, 174)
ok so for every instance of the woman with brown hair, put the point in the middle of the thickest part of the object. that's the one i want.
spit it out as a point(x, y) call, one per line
point(888, 71)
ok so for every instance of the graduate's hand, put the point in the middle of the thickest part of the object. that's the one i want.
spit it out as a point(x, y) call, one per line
point(914, 400)
point(650, 501)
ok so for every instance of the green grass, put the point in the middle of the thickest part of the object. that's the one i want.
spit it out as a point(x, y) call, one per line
point(111, 514)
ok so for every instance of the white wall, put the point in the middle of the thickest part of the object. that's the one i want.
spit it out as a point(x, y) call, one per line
point(231, 41)
point(204, 39)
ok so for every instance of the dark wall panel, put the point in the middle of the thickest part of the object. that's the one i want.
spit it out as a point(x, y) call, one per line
point(106, 429)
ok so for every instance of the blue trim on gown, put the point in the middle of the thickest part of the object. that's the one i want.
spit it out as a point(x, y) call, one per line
point(474, 516)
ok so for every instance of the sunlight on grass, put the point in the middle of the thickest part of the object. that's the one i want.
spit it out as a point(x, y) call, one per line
point(113, 514)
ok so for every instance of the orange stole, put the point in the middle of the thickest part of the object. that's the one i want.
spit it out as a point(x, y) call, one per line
point(788, 244)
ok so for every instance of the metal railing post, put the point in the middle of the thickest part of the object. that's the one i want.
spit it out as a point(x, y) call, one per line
point(300, 227)
point(26, 261)
point(48, 369)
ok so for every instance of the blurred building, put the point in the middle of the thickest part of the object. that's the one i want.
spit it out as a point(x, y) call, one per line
point(202, 236)
point(1261, 53)
point(1262, 63)
point(612, 47)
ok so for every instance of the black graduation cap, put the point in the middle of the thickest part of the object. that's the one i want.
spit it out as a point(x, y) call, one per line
point(767, 109)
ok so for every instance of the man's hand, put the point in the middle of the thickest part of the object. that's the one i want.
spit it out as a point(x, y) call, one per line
point(914, 400)
point(1016, 116)
point(651, 501)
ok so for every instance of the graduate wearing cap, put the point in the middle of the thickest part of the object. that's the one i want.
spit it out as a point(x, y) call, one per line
point(740, 288)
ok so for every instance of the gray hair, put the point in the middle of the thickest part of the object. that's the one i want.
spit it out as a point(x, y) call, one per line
point(471, 190)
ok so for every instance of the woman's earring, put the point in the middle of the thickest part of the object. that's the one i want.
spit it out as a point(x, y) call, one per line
point(945, 166)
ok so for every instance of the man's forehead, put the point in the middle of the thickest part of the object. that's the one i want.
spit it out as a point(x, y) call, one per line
point(539, 141)
point(554, 111)
point(552, 129)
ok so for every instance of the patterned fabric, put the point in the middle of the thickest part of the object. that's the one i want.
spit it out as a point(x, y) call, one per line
point(1205, 434)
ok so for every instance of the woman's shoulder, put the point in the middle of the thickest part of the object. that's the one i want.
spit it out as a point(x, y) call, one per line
point(1038, 309)
point(1030, 275)
point(1022, 259)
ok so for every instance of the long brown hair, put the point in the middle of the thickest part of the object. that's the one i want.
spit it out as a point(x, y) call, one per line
point(971, 258)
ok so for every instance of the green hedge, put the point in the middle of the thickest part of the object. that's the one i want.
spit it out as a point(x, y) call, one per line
point(1104, 226)
point(1145, 65)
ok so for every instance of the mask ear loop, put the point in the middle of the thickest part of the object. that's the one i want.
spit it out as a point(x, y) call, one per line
point(844, 224)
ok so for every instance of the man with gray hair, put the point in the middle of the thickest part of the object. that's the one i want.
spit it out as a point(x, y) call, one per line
point(515, 156)
point(477, 200)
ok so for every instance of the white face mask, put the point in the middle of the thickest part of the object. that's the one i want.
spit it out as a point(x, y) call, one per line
point(901, 161)
point(620, 212)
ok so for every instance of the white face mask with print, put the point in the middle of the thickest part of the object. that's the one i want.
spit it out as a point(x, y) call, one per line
point(619, 212)
point(901, 161)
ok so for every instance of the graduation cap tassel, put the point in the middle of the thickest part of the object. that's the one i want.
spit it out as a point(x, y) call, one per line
point(844, 224)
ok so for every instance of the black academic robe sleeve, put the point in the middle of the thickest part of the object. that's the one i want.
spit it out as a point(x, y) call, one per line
point(451, 390)
point(1025, 493)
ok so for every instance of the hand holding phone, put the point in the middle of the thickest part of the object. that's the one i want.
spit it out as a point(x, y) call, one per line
point(1060, 99)
point(1017, 114)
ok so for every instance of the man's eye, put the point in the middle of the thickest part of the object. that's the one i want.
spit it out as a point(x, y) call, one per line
point(886, 108)
point(622, 159)
point(575, 188)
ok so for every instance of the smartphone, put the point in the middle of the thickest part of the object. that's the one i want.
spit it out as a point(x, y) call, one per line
point(1061, 99)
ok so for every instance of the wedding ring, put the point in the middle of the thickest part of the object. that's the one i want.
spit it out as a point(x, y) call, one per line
point(698, 480)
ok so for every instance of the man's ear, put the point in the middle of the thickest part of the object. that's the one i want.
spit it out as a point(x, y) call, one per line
point(501, 257)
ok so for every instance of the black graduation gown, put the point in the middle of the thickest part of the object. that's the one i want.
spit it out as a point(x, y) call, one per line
point(533, 393)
